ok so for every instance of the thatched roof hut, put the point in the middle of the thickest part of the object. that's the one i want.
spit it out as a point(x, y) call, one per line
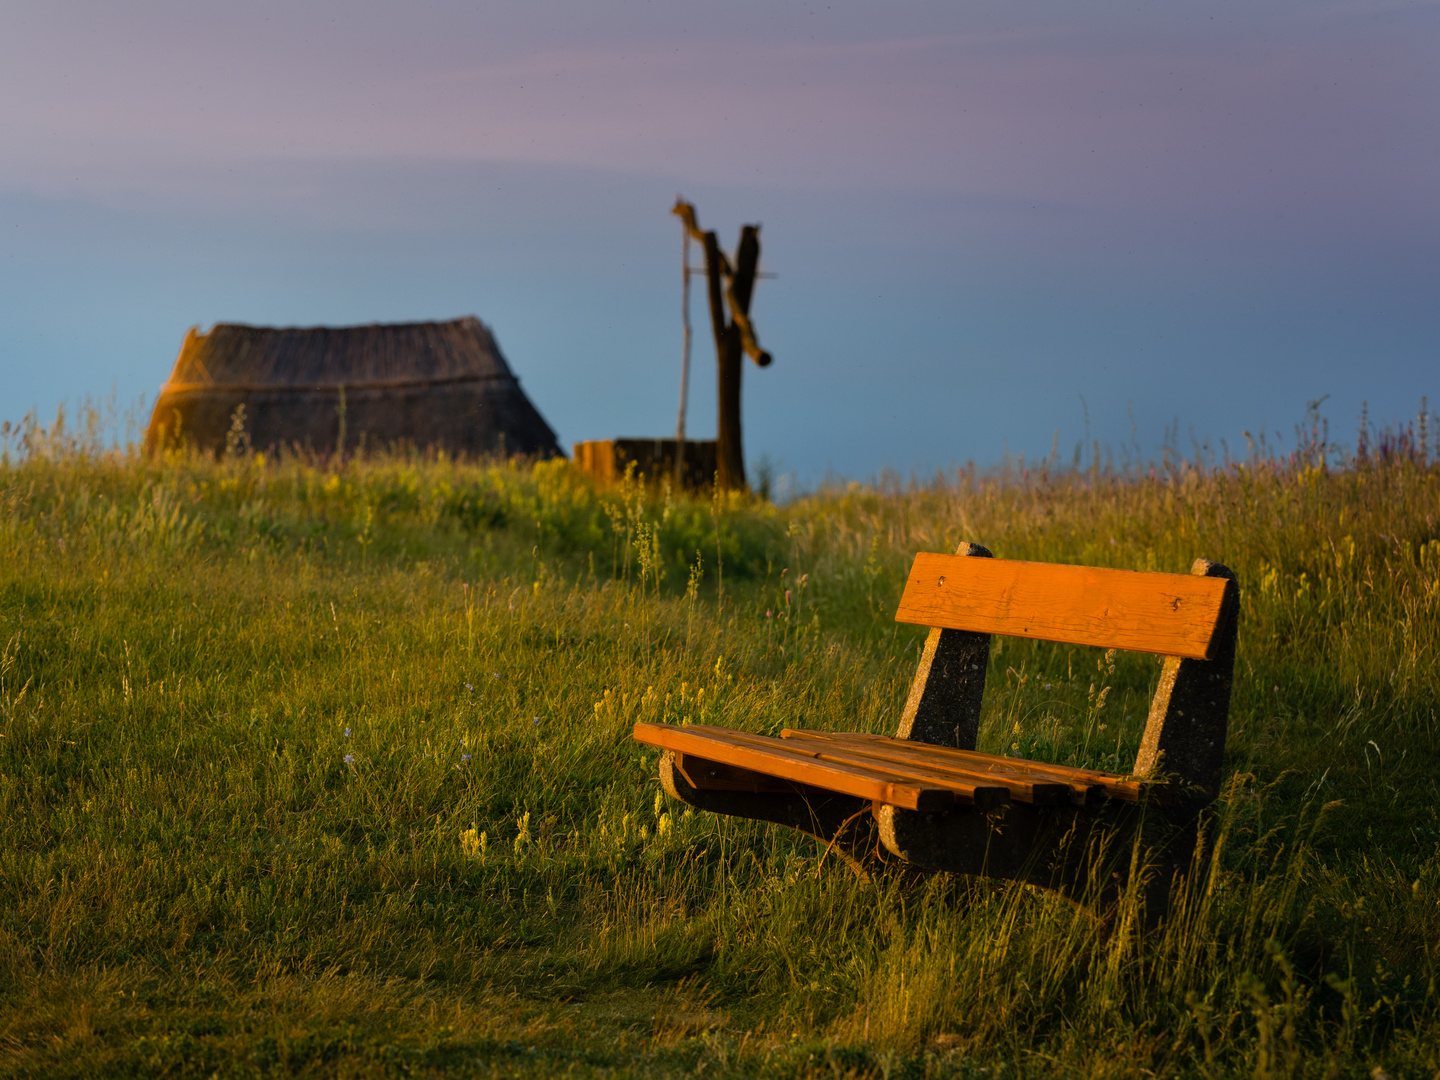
point(443, 385)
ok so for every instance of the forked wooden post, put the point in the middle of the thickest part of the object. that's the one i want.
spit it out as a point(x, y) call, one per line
point(734, 335)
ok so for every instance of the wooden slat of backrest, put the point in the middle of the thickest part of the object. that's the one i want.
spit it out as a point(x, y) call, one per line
point(1168, 614)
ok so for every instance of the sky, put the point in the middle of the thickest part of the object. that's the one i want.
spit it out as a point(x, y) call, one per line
point(995, 229)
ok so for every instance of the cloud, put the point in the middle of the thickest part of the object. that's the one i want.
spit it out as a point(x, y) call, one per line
point(1269, 114)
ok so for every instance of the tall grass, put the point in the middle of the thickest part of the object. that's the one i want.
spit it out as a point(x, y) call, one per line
point(323, 766)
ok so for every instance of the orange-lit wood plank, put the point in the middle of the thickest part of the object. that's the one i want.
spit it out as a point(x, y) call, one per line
point(986, 792)
point(1113, 785)
point(756, 753)
point(1025, 785)
point(1169, 614)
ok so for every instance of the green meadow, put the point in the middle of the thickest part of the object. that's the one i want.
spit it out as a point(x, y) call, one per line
point(323, 768)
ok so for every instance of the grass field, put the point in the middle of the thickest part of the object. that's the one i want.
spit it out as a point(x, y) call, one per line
point(323, 768)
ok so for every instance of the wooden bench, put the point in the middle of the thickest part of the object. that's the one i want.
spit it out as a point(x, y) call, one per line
point(929, 798)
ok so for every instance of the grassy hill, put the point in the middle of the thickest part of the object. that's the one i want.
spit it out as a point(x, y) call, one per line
point(324, 768)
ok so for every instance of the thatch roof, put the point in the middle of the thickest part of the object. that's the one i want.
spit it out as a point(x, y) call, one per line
point(443, 385)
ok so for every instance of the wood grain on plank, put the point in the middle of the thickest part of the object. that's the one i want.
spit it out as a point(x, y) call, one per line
point(1113, 785)
point(1168, 614)
point(986, 792)
point(1025, 785)
point(774, 757)
point(982, 791)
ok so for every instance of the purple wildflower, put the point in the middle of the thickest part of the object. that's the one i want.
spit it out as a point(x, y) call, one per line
point(349, 759)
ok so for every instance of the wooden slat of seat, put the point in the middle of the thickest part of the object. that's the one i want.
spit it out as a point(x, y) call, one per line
point(983, 791)
point(986, 791)
point(774, 757)
point(1113, 785)
point(971, 786)
point(1168, 614)
point(1025, 785)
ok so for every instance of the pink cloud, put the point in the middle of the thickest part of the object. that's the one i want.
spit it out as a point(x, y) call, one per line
point(1171, 120)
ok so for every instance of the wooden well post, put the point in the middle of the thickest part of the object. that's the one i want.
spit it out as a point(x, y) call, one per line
point(729, 287)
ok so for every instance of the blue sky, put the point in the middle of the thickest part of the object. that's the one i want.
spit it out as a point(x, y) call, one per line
point(989, 221)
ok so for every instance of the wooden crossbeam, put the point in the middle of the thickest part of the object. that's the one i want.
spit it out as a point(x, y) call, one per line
point(1168, 614)
point(707, 774)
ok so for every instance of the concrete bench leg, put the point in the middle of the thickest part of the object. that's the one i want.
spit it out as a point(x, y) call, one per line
point(1087, 856)
point(842, 823)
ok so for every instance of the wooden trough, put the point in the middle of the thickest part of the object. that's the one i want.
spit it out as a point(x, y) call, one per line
point(606, 461)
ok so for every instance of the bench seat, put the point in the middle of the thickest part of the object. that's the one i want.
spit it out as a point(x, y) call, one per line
point(891, 772)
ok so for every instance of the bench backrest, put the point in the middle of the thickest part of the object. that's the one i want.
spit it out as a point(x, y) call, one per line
point(1167, 614)
point(1190, 619)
